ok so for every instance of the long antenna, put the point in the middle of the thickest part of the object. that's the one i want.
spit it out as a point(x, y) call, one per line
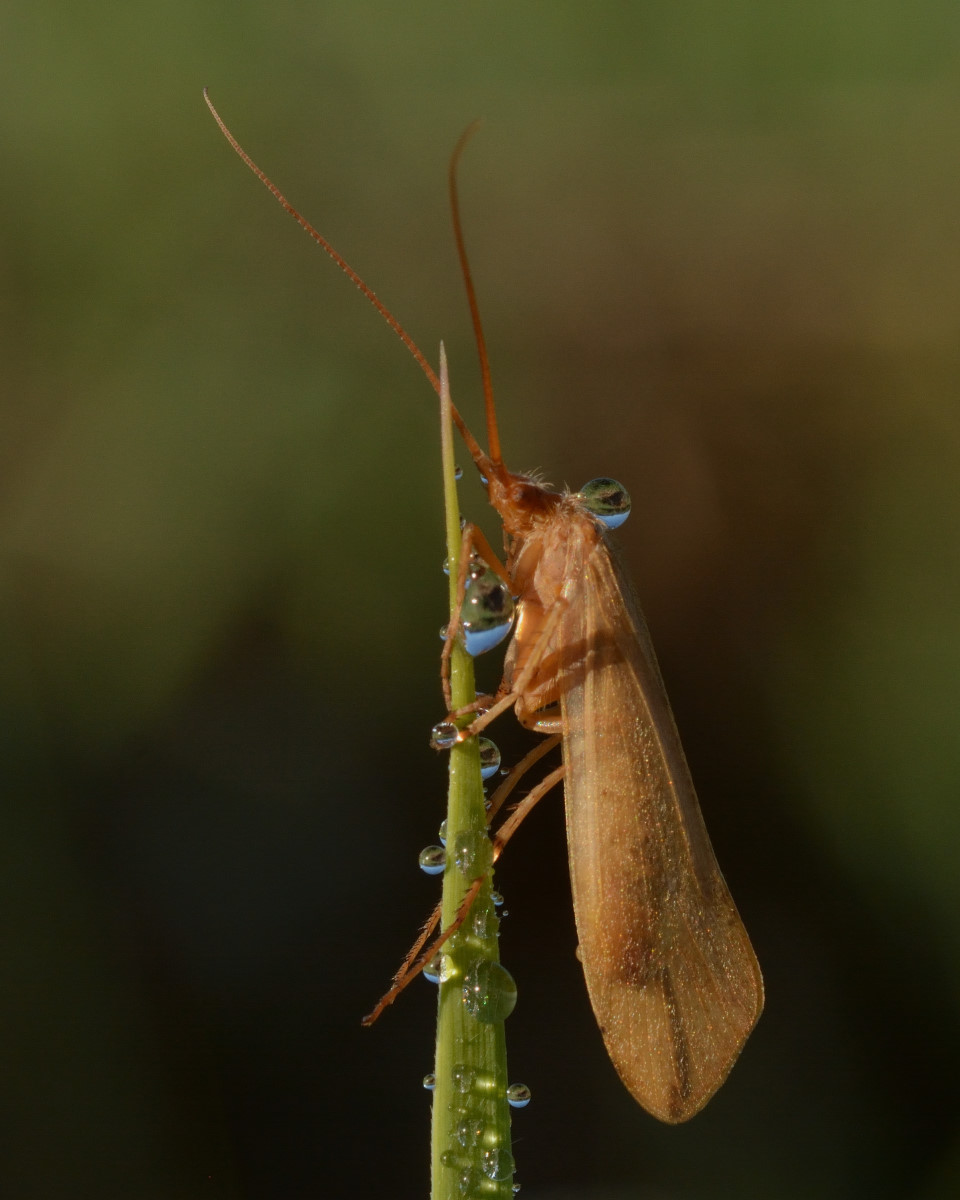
point(479, 457)
point(493, 434)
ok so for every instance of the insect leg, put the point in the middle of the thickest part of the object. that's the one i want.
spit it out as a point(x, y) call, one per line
point(523, 809)
point(520, 684)
point(407, 974)
point(417, 958)
point(502, 794)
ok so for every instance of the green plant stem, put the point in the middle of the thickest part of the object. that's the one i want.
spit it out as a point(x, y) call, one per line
point(471, 1117)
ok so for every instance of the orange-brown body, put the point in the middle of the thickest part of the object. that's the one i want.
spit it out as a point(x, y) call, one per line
point(671, 974)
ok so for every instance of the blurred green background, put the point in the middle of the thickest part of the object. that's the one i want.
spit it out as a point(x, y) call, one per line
point(717, 252)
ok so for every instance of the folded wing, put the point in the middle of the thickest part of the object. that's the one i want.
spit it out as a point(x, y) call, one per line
point(671, 974)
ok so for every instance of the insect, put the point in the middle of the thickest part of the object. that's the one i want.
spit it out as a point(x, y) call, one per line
point(672, 977)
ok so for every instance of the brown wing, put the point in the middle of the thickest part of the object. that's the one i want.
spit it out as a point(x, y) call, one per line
point(671, 974)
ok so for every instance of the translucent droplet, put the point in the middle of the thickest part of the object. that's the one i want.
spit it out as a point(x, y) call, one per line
point(443, 633)
point(469, 1131)
point(429, 1082)
point(458, 472)
point(496, 898)
point(515, 1188)
point(489, 991)
point(433, 859)
point(446, 571)
point(431, 969)
point(489, 757)
point(483, 923)
point(487, 612)
point(484, 480)
point(518, 1095)
point(442, 832)
point(464, 1077)
point(472, 852)
point(498, 1163)
point(444, 736)
point(448, 968)
point(608, 500)
point(467, 1182)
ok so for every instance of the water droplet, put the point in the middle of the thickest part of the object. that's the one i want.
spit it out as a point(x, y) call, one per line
point(487, 612)
point(429, 1082)
point(449, 1158)
point(448, 968)
point(472, 852)
point(608, 500)
point(484, 480)
point(442, 832)
point(458, 472)
point(433, 859)
point(464, 1077)
point(469, 1131)
point(496, 898)
point(518, 1095)
point(431, 969)
point(443, 633)
point(444, 736)
point(466, 1182)
point(498, 1163)
point(489, 991)
point(483, 922)
point(515, 1188)
point(446, 570)
point(489, 757)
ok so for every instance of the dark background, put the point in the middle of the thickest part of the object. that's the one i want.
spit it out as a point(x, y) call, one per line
point(717, 252)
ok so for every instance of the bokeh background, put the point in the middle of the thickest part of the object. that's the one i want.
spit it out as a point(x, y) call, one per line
point(717, 252)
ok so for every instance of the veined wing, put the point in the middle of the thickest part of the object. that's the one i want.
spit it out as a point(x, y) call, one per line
point(671, 974)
